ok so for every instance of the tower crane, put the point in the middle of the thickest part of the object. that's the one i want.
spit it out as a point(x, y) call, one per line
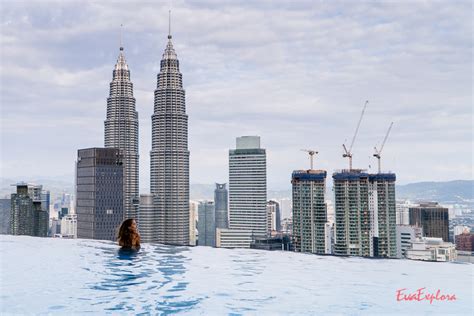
point(348, 153)
point(311, 155)
point(379, 152)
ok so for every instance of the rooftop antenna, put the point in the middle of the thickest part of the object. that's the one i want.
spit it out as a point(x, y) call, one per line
point(169, 24)
point(121, 36)
point(379, 152)
point(311, 155)
point(348, 153)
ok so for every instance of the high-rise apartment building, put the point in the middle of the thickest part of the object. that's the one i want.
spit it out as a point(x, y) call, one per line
point(29, 215)
point(433, 218)
point(121, 131)
point(207, 224)
point(274, 217)
point(382, 209)
point(169, 153)
point(352, 226)
point(309, 210)
point(247, 189)
point(365, 214)
point(221, 204)
point(99, 187)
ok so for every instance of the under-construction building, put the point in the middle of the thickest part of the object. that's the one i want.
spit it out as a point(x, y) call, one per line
point(365, 213)
point(309, 210)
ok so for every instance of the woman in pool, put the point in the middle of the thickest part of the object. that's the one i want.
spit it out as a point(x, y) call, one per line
point(128, 236)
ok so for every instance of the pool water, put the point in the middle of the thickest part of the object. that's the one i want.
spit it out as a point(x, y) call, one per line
point(64, 276)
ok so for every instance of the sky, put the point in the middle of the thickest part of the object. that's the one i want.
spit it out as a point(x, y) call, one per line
point(296, 73)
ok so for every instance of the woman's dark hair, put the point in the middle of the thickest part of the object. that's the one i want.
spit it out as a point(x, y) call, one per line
point(128, 236)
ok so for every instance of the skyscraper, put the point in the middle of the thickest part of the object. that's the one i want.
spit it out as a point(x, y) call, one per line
point(247, 189)
point(99, 187)
point(383, 209)
point(275, 224)
point(169, 153)
point(121, 131)
point(29, 215)
point(352, 229)
point(146, 218)
point(309, 210)
point(207, 224)
point(365, 214)
point(220, 201)
point(433, 218)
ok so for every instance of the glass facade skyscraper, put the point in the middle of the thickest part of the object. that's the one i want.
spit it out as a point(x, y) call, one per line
point(169, 155)
point(99, 187)
point(207, 224)
point(121, 131)
point(29, 215)
point(221, 204)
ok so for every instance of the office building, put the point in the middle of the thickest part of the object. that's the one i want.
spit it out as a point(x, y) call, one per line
point(431, 249)
point(193, 217)
point(433, 218)
point(147, 218)
point(221, 204)
point(275, 215)
point(69, 226)
point(406, 235)
point(99, 186)
point(207, 224)
point(121, 131)
point(29, 215)
point(247, 189)
point(465, 241)
point(234, 238)
point(309, 210)
point(169, 153)
point(5, 216)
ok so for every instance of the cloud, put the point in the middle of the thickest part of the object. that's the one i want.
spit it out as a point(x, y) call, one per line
point(296, 73)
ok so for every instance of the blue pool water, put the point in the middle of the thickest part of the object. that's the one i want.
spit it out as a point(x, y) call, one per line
point(61, 276)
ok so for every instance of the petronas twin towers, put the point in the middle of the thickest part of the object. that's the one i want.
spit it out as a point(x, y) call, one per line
point(169, 177)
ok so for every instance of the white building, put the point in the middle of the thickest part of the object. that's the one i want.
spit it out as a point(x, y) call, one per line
point(431, 249)
point(247, 190)
point(193, 217)
point(406, 235)
point(69, 226)
point(329, 237)
point(233, 238)
point(403, 213)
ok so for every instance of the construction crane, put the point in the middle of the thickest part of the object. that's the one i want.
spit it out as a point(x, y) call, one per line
point(311, 155)
point(348, 153)
point(378, 152)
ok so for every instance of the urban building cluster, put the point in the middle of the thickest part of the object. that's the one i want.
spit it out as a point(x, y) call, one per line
point(364, 219)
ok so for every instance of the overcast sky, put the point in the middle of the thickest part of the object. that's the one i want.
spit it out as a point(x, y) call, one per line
point(297, 73)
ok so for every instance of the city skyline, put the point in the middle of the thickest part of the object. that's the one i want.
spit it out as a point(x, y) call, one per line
point(317, 51)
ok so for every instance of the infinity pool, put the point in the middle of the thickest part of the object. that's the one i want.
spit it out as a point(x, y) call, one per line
point(64, 276)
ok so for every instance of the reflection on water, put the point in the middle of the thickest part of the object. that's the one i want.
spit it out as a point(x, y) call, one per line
point(51, 276)
point(152, 278)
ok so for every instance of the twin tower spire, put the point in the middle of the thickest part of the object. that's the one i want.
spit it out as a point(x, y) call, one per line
point(169, 155)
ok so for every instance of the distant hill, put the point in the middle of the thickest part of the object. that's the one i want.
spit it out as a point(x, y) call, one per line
point(449, 192)
point(457, 191)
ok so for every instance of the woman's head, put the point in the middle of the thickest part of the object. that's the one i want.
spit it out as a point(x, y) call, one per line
point(128, 236)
